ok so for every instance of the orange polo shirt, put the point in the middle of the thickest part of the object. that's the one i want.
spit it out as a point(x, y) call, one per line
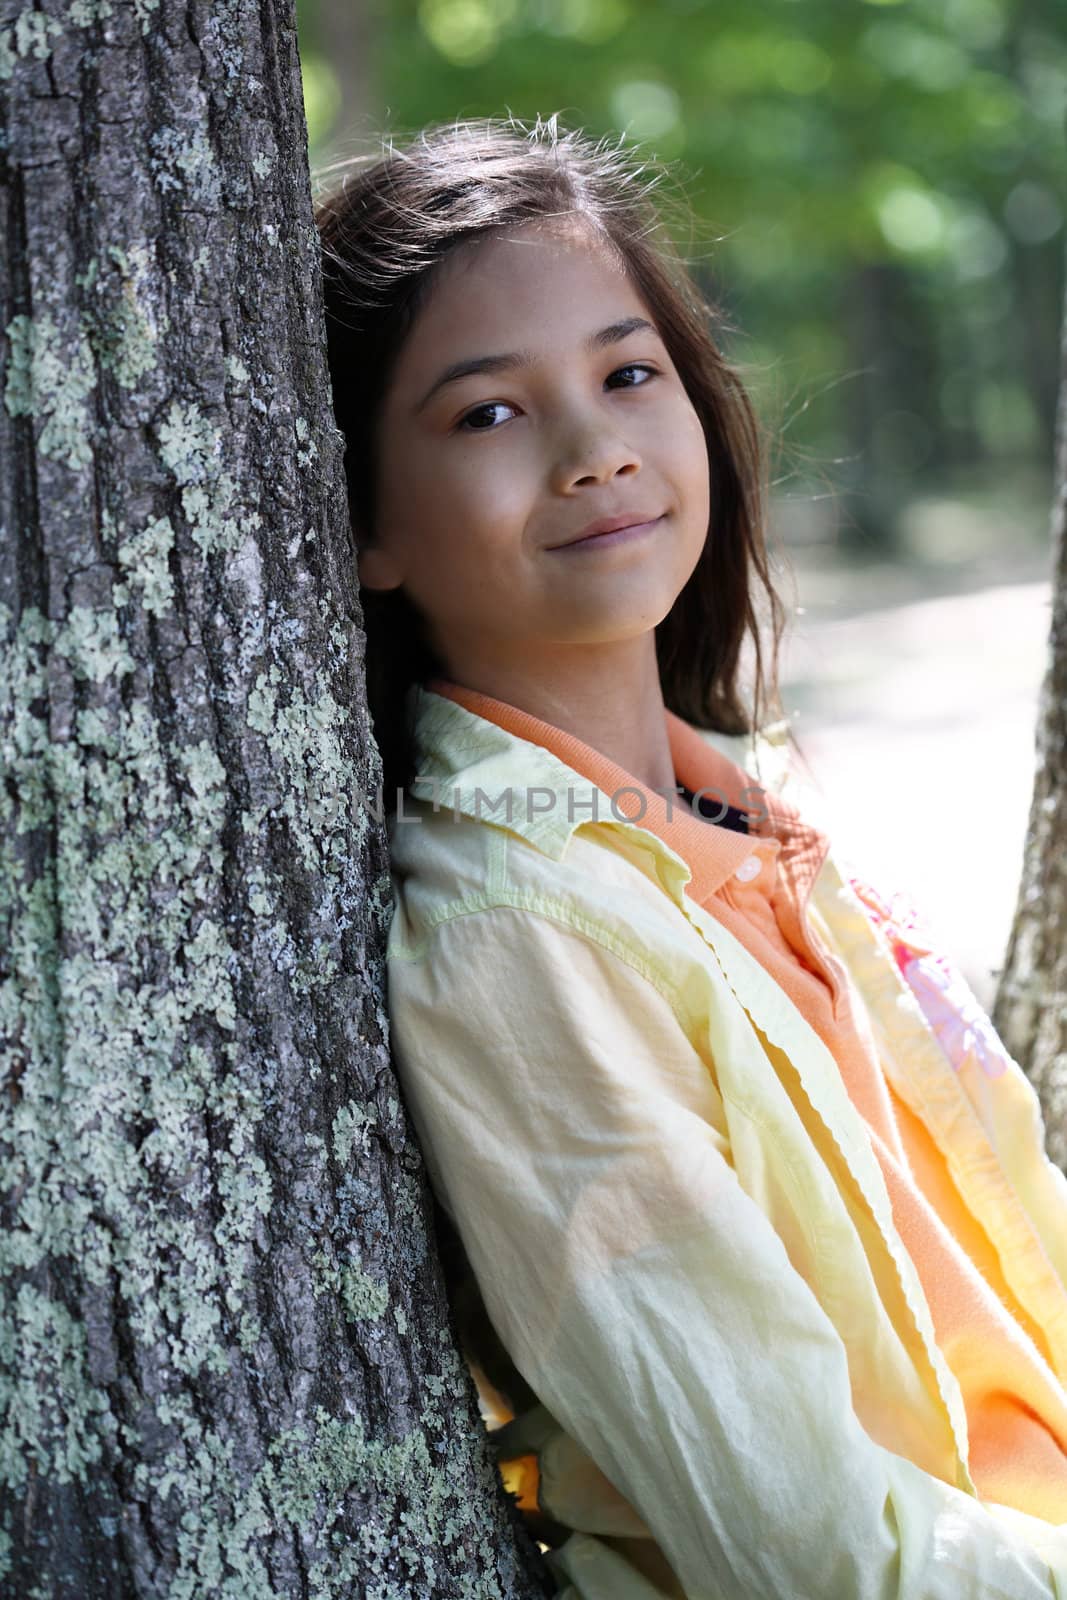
point(997, 1353)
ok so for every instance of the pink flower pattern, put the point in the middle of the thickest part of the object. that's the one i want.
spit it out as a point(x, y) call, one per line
point(948, 1003)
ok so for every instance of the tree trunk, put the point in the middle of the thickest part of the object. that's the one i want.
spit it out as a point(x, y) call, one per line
point(226, 1362)
point(1031, 1004)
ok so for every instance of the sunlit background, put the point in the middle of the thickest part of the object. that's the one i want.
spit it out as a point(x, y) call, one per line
point(878, 196)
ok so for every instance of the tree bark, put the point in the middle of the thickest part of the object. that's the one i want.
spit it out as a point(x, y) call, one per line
point(226, 1360)
point(1031, 1003)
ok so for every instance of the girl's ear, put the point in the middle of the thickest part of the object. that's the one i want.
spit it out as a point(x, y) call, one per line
point(377, 568)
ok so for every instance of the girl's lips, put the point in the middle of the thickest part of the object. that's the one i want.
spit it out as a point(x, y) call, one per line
point(597, 541)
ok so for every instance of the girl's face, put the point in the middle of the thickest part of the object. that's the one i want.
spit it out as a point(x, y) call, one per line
point(533, 397)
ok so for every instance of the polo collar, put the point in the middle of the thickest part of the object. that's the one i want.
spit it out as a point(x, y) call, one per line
point(469, 744)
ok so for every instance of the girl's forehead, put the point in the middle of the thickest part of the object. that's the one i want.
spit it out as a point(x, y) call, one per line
point(562, 243)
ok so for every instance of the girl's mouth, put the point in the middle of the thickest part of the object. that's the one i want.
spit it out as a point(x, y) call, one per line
point(600, 541)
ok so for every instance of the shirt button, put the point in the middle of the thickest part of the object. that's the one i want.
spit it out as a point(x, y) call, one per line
point(750, 868)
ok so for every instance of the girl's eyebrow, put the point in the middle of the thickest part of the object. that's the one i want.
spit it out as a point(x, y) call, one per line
point(612, 334)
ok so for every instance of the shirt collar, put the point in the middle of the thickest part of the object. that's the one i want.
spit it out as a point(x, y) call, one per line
point(469, 744)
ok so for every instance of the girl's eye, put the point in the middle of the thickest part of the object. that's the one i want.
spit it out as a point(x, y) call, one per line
point(635, 366)
point(490, 405)
point(467, 422)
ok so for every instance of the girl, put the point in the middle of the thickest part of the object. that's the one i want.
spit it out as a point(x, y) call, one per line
point(766, 1263)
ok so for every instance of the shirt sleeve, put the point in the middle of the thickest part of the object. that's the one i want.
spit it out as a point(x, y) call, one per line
point(568, 1124)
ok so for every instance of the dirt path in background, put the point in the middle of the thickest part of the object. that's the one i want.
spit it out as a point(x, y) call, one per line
point(918, 720)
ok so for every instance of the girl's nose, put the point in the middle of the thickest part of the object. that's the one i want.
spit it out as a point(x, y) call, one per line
point(593, 453)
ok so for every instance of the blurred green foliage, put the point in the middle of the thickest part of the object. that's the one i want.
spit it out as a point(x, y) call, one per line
point(878, 189)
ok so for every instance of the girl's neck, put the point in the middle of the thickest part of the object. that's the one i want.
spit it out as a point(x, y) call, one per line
point(609, 696)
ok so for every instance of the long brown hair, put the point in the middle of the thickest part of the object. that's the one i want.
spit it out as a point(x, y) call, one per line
point(385, 228)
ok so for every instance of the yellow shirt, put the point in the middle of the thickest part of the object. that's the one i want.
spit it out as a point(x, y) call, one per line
point(694, 1266)
point(757, 886)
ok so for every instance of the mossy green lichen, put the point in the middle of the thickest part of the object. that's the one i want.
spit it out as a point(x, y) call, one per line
point(143, 556)
point(188, 444)
point(91, 642)
point(364, 1298)
point(191, 448)
point(186, 162)
point(237, 372)
point(30, 34)
point(307, 450)
point(18, 387)
point(83, 13)
point(117, 315)
point(349, 1126)
point(307, 735)
point(50, 377)
point(52, 1417)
